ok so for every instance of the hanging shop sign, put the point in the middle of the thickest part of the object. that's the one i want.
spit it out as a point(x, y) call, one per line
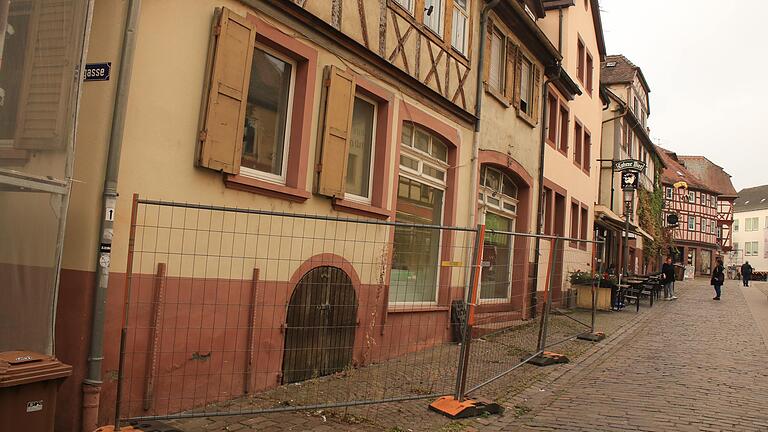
point(628, 165)
point(629, 180)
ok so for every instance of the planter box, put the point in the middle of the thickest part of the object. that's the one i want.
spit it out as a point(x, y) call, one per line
point(584, 297)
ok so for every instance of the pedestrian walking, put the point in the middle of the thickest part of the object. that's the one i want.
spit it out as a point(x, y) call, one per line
point(718, 277)
point(746, 273)
point(668, 277)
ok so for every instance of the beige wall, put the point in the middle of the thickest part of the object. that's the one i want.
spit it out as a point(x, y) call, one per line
point(587, 108)
point(158, 157)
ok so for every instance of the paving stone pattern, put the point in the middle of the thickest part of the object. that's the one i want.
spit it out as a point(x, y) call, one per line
point(693, 365)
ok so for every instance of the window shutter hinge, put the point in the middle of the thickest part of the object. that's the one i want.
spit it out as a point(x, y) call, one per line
point(202, 136)
point(217, 30)
point(318, 167)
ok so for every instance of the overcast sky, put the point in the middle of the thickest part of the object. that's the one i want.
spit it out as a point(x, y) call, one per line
point(706, 64)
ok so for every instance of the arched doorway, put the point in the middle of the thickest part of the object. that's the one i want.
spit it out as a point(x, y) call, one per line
point(320, 325)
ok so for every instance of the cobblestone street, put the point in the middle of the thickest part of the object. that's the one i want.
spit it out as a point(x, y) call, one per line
point(693, 364)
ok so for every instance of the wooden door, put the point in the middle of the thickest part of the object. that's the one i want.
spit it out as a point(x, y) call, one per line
point(320, 325)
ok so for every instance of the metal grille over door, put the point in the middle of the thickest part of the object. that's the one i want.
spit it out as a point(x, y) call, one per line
point(320, 326)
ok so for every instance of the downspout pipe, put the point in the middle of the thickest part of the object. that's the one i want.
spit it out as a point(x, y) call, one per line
point(475, 162)
point(93, 381)
point(540, 185)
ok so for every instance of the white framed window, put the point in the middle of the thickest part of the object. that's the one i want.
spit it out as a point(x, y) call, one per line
point(668, 193)
point(268, 115)
point(434, 15)
point(691, 197)
point(691, 223)
point(705, 225)
point(361, 150)
point(406, 4)
point(460, 25)
point(526, 86)
point(414, 279)
point(735, 225)
point(750, 248)
point(496, 68)
point(498, 194)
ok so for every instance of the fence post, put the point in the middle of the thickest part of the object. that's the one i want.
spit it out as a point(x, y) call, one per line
point(474, 277)
point(548, 295)
point(126, 299)
point(592, 335)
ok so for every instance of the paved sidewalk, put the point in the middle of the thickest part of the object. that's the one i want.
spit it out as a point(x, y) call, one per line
point(693, 364)
point(414, 415)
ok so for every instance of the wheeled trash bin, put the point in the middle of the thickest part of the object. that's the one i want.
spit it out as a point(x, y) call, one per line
point(29, 384)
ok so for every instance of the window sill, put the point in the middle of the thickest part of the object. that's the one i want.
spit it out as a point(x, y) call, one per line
point(496, 94)
point(410, 309)
point(262, 187)
point(526, 118)
point(361, 209)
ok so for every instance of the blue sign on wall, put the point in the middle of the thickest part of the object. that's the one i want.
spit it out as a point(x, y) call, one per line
point(97, 71)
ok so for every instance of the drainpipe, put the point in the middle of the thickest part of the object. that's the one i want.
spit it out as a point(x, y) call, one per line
point(475, 165)
point(540, 185)
point(560, 31)
point(92, 383)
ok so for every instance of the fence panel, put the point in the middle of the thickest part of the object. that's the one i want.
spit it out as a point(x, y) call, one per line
point(531, 309)
point(234, 311)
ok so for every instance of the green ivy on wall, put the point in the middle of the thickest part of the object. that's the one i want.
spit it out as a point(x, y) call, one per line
point(651, 217)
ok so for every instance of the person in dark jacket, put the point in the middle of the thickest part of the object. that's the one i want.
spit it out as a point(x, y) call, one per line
point(718, 277)
point(668, 277)
point(746, 273)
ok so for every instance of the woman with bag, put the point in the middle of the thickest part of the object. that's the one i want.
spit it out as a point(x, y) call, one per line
point(718, 277)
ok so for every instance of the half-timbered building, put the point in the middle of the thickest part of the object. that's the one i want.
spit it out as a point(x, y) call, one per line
point(695, 205)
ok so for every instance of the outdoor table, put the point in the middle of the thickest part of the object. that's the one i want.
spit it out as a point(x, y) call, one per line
point(637, 286)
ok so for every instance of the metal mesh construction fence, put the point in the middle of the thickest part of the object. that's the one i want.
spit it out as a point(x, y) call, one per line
point(234, 311)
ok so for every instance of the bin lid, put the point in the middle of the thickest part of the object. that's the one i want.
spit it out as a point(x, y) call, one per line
point(24, 367)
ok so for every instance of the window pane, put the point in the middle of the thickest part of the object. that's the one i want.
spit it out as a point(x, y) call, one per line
point(12, 72)
point(493, 179)
point(497, 253)
point(509, 188)
point(416, 251)
point(525, 86)
point(406, 136)
point(434, 18)
point(409, 162)
point(459, 28)
point(434, 172)
point(497, 60)
point(439, 150)
point(422, 140)
point(267, 113)
point(360, 148)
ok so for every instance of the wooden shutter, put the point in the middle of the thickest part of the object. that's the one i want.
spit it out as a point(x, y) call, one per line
point(339, 104)
point(509, 73)
point(518, 68)
point(536, 90)
point(52, 51)
point(221, 137)
point(487, 53)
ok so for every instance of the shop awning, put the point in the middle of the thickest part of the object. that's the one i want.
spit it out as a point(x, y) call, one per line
point(606, 217)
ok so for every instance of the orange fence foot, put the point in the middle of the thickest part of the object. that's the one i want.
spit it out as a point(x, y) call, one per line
point(453, 408)
point(547, 359)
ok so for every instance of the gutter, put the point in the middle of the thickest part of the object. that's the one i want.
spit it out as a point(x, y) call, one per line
point(93, 381)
